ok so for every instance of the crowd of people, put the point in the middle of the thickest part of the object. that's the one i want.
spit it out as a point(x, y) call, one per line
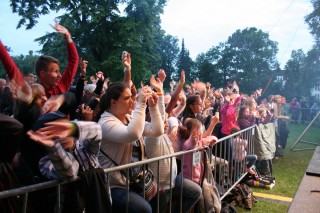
point(302, 111)
point(51, 129)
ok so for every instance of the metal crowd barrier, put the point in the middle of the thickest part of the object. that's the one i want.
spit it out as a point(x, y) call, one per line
point(221, 159)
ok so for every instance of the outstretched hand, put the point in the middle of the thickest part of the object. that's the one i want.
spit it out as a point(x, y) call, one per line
point(40, 139)
point(144, 94)
point(61, 29)
point(57, 129)
point(153, 100)
point(162, 75)
point(156, 84)
point(83, 66)
point(126, 60)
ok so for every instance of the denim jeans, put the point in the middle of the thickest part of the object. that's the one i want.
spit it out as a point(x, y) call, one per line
point(136, 204)
point(191, 193)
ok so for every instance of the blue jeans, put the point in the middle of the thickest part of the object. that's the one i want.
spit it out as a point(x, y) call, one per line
point(136, 203)
point(191, 193)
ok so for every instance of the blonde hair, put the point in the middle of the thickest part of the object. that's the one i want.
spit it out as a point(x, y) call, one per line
point(37, 90)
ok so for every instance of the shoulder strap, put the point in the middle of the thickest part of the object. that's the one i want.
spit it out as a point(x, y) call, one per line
point(105, 154)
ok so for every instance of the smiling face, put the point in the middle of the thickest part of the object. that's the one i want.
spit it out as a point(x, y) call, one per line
point(50, 77)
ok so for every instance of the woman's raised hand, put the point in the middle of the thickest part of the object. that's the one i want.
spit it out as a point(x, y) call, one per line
point(126, 60)
point(144, 94)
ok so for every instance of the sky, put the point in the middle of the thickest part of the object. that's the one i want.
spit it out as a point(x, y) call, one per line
point(201, 23)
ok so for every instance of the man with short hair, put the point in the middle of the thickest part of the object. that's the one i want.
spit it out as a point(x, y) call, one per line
point(48, 70)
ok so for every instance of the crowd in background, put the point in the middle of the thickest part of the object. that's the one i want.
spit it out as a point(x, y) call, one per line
point(57, 125)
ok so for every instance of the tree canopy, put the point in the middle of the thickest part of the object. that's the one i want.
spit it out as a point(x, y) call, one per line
point(102, 31)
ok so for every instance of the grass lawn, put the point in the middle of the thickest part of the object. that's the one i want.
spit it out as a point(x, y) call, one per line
point(289, 169)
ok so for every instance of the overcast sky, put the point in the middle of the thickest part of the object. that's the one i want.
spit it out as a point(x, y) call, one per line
point(202, 23)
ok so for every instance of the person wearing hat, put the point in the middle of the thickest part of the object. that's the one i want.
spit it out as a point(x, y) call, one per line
point(71, 149)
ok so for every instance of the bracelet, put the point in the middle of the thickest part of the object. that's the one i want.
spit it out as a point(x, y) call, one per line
point(181, 83)
point(74, 129)
point(159, 93)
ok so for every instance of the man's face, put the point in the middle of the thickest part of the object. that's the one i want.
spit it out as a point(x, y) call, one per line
point(52, 76)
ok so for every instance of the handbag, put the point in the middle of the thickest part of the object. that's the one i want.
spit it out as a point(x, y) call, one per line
point(210, 197)
point(142, 181)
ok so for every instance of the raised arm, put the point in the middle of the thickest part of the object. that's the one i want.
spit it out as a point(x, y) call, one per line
point(19, 87)
point(73, 58)
point(176, 92)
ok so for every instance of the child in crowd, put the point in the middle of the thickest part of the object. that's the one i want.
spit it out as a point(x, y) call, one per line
point(239, 151)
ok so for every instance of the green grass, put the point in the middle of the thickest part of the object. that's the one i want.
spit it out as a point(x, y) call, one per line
point(288, 170)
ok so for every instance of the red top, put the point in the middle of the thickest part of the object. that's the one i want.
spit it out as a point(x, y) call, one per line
point(229, 116)
point(9, 65)
point(68, 74)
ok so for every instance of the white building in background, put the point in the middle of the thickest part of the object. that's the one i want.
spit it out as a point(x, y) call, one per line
point(280, 78)
point(315, 91)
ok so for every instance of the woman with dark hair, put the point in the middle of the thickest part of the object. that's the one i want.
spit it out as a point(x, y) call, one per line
point(122, 138)
point(194, 107)
point(245, 119)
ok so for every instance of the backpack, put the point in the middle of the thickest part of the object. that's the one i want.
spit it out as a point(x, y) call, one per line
point(228, 208)
point(241, 196)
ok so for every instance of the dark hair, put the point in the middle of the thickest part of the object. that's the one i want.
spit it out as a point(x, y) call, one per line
point(113, 92)
point(242, 109)
point(235, 129)
point(185, 131)
point(43, 63)
point(187, 112)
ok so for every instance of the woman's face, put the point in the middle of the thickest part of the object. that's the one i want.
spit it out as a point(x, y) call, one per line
point(40, 100)
point(279, 100)
point(263, 114)
point(246, 112)
point(196, 107)
point(124, 104)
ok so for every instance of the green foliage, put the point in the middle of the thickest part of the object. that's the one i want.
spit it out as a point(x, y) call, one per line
point(185, 63)
point(252, 58)
point(25, 63)
point(313, 20)
point(294, 70)
point(248, 56)
point(102, 31)
point(168, 50)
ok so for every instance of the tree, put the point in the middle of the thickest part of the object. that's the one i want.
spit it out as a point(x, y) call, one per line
point(24, 62)
point(207, 65)
point(185, 63)
point(252, 58)
point(101, 32)
point(168, 49)
point(248, 57)
point(313, 20)
point(294, 71)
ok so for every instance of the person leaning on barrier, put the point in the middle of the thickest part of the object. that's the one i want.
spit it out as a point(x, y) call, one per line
point(123, 129)
point(72, 149)
point(161, 146)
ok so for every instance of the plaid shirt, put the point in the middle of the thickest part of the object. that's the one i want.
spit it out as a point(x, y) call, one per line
point(63, 165)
